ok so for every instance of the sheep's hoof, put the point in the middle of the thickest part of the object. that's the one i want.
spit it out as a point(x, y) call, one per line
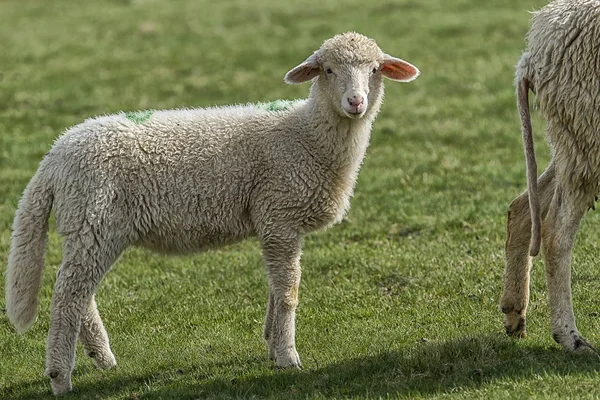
point(574, 342)
point(288, 359)
point(103, 359)
point(515, 325)
point(60, 383)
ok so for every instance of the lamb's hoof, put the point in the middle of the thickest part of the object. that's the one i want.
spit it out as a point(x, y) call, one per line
point(574, 342)
point(289, 358)
point(103, 359)
point(515, 325)
point(60, 383)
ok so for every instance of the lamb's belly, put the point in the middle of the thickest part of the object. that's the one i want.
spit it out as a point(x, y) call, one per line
point(189, 239)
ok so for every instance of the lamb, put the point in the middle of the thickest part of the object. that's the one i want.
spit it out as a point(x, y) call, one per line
point(182, 181)
point(561, 67)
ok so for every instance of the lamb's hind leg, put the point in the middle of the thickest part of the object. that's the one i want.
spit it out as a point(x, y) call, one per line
point(85, 263)
point(281, 255)
point(558, 236)
point(94, 338)
point(515, 295)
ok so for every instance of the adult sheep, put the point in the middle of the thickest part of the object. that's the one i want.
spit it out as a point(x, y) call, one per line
point(186, 180)
point(560, 66)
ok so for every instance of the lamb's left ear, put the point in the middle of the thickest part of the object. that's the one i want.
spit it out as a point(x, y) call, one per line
point(398, 70)
point(303, 72)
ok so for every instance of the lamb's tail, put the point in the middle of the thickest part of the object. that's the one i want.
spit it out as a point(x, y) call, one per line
point(26, 258)
point(523, 86)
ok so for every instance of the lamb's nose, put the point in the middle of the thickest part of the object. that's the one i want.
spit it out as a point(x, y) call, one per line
point(356, 100)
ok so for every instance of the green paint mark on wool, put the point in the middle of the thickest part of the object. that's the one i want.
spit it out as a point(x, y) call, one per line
point(277, 105)
point(139, 117)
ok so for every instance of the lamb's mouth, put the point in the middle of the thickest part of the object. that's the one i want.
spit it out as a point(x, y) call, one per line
point(354, 115)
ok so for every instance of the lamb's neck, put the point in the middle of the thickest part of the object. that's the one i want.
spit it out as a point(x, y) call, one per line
point(339, 145)
point(343, 140)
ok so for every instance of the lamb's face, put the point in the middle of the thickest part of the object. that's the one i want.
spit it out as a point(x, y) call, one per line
point(349, 71)
point(351, 87)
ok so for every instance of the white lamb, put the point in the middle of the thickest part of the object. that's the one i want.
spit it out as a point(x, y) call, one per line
point(561, 67)
point(187, 180)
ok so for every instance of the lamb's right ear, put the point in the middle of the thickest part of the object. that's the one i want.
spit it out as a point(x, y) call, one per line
point(303, 72)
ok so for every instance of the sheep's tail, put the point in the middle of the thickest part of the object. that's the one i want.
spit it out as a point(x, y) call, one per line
point(26, 258)
point(523, 86)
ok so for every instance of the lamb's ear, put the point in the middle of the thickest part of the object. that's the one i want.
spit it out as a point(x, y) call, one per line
point(303, 72)
point(398, 70)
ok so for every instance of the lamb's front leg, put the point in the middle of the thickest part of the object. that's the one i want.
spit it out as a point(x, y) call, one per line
point(268, 327)
point(281, 255)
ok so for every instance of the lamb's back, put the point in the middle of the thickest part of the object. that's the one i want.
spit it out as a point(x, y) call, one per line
point(158, 176)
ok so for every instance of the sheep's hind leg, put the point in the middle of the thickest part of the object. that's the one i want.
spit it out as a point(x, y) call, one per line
point(282, 260)
point(515, 295)
point(558, 236)
point(85, 264)
point(94, 338)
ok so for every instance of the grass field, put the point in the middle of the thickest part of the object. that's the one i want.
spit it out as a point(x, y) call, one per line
point(400, 300)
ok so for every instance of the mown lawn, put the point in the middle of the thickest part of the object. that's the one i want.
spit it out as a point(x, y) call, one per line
point(400, 300)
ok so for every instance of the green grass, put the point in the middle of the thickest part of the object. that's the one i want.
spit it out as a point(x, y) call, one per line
point(400, 300)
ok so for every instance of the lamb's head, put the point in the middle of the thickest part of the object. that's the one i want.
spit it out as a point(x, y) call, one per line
point(348, 72)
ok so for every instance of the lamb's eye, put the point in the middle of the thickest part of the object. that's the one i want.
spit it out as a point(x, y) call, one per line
point(329, 71)
point(375, 70)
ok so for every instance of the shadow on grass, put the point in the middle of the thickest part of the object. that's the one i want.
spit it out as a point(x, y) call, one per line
point(426, 368)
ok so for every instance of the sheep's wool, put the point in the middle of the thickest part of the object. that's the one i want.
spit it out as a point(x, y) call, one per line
point(277, 105)
point(138, 117)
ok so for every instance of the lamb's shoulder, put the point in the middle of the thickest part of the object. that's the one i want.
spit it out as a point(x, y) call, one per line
point(308, 180)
